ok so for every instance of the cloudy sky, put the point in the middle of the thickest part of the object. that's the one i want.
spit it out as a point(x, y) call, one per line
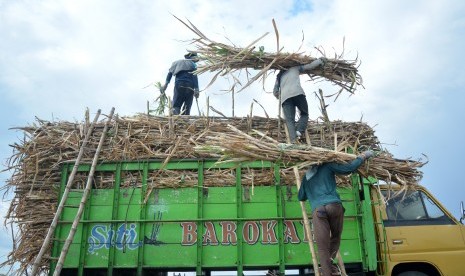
point(59, 57)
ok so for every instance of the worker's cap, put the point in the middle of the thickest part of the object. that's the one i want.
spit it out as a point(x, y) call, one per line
point(191, 55)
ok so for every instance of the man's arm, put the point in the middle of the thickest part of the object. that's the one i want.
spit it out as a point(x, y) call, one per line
point(196, 86)
point(314, 64)
point(302, 196)
point(168, 79)
point(349, 167)
point(276, 89)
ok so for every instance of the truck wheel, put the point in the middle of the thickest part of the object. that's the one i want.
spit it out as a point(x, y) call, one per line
point(412, 273)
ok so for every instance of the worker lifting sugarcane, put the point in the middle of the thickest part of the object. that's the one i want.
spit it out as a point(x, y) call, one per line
point(319, 188)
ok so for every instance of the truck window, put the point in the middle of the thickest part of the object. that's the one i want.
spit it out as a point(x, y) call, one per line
point(413, 208)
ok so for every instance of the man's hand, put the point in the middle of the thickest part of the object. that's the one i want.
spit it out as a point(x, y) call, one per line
point(367, 154)
point(314, 64)
point(196, 93)
point(323, 61)
point(163, 88)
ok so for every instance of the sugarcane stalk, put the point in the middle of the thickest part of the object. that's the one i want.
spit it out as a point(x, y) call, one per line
point(77, 218)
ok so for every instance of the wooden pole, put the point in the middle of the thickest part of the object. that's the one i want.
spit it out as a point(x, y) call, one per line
point(77, 218)
point(54, 223)
point(308, 229)
point(170, 120)
point(232, 96)
point(279, 100)
point(338, 254)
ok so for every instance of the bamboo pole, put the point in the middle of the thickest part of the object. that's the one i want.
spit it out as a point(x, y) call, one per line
point(54, 223)
point(338, 254)
point(72, 232)
point(233, 100)
point(279, 100)
point(170, 116)
point(308, 229)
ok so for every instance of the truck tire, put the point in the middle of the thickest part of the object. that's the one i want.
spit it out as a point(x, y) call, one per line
point(412, 273)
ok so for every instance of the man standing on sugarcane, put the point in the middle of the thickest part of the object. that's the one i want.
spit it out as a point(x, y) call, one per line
point(186, 85)
point(293, 96)
point(319, 187)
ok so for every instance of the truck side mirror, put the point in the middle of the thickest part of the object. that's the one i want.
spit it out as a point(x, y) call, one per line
point(462, 212)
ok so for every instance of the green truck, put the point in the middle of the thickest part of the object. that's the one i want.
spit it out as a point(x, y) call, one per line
point(201, 216)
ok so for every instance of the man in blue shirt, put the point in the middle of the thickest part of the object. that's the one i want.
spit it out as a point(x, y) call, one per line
point(186, 85)
point(319, 187)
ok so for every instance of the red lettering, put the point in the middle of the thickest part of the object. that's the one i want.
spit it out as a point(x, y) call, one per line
point(210, 235)
point(290, 234)
point(229, 232)
point(251, 232)
point(189, 233)
point(269, 234)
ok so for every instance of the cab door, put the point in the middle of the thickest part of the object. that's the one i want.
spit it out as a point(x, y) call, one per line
point(418, 229)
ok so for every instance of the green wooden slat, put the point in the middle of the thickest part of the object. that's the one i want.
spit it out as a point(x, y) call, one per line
point(239, 259)
point(280, 212)
point(199, 216)
point(114, 214)
point(84, 229)
point(172, 165)
point(143, 210)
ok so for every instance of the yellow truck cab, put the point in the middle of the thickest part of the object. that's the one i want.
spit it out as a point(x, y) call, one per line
point(416, 234)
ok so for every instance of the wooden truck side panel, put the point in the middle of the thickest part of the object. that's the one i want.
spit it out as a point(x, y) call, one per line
point(197, 228)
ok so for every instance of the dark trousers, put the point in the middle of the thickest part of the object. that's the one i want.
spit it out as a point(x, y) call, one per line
point(289, 106)
point(327, 228)
point(183, 95)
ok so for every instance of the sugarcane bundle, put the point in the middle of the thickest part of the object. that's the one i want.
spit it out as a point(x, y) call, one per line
point(223, 59)
point(239, 146)
point(37, 159)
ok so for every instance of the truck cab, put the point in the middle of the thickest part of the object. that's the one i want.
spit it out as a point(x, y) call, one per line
point(416, 234)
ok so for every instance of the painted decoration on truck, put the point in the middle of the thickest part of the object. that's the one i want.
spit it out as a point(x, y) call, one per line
point(155, 231)
point(101, 236)
point(222, 233)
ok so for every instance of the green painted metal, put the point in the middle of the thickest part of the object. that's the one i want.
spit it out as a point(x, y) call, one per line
point(201, 228)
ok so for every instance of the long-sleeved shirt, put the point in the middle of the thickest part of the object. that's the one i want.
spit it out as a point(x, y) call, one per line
point(183, 70)
point(289, 83)
point(320, 189)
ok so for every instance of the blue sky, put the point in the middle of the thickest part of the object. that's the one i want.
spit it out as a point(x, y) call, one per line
point(59, 57)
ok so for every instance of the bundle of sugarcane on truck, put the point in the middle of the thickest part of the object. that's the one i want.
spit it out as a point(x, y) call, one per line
point(221, 196)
